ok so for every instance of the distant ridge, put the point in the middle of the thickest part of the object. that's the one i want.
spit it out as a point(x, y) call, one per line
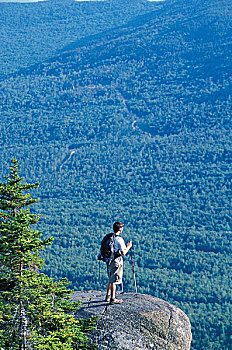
point(56, 23)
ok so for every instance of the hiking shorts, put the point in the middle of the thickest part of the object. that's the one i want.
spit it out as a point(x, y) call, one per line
point(115, 272)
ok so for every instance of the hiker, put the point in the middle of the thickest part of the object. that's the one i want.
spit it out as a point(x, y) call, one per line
point(115, 268)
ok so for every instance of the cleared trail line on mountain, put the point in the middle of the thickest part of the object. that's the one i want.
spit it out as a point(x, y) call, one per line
point(66, 160)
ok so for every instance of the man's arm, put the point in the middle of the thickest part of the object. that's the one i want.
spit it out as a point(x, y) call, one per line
point(128, 247)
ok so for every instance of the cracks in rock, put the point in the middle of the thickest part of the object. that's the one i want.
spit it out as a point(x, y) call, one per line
point(170, 317)
point(90, 299)
point(89, 302)
point(104, 310)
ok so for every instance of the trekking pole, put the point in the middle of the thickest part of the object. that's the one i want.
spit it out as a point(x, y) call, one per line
point(99, 271)
point(134, 272)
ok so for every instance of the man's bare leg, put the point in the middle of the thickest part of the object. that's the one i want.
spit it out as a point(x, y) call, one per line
point(113, 299)
point(113, 290)
point(108, 293)
point(108, 288)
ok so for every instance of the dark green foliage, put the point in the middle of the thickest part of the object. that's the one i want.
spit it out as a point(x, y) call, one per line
point(35, 311)
point(33, 32)
point(135, 125)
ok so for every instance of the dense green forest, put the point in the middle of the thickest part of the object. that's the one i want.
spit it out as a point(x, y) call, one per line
point(132, 124)
point(33, 32)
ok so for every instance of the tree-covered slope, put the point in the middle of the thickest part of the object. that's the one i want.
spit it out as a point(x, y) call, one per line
point(33, 32)
point(134, 124)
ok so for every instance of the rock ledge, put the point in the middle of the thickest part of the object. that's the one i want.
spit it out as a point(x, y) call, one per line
point(140, 322)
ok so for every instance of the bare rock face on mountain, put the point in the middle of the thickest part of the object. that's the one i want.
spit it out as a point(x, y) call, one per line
point(140, 322)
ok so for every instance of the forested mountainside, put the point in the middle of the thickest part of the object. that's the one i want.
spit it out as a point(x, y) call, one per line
point(134, 124)
point(33, 32)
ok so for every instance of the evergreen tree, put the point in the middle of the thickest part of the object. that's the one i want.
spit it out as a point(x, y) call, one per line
point(35, 311)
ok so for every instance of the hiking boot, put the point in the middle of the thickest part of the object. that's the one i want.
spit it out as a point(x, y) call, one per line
point(107, 299)
point(115, 301)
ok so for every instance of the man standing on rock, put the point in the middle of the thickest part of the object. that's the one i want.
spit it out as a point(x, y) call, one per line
point(115, 268)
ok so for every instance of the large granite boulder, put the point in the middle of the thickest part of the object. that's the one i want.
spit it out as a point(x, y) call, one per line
point(140, 322)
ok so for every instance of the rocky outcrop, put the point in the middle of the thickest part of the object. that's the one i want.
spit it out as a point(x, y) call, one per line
point(140, 322)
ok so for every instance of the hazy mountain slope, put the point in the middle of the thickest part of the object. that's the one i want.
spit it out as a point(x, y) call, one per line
point(135, 124)
point(33, 32)
point(175, 51)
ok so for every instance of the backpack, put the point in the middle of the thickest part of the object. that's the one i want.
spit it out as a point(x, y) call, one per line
point(107, 253)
